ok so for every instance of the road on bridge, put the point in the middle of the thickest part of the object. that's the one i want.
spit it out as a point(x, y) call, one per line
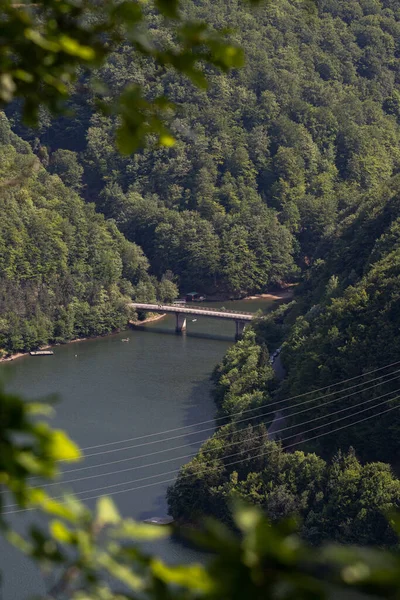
point(233, 315)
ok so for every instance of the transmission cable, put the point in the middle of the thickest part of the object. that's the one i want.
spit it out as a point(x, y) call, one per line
point(219, 466)
point(270, 412)
point(113, 462)
point(277, 402)
point(110, 473)
point(229, 455)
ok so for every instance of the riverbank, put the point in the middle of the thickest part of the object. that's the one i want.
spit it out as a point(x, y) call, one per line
point(286, 294)
point(76, 340)
point(47, 347)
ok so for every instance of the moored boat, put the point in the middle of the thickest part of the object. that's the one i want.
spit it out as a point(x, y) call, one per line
point(159, 521)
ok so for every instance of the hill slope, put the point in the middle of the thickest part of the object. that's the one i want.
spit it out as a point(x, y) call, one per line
point(65, 272)
point(266, 158)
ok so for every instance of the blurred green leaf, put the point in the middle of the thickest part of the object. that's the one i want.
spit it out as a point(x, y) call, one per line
point(30, 462)
point(194, 576)
point(140, 531)
point(71, 46)
point(107, 513)
point(121, 572)
point(61, 533)
point(70, 510)
point(62, 448)
point(39, 408)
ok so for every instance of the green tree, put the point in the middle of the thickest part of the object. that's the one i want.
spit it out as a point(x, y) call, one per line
point(64, 163)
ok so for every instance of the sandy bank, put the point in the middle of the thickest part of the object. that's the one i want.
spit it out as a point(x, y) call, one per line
point(149, 320)
point(13, 357)
point(280, 295)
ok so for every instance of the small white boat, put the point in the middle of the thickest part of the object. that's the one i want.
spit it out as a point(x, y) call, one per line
point(125, 340)
point(159, 521)
point(194, 320)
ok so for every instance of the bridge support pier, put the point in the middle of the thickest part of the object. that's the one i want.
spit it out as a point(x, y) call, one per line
point(180, 323)
point(240, 325)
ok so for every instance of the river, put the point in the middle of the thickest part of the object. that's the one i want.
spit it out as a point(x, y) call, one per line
point(110, 391)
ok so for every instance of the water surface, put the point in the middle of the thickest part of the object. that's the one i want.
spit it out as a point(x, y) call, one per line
point(111, 393)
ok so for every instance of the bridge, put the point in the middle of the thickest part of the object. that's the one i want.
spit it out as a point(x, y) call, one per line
point(181, 312)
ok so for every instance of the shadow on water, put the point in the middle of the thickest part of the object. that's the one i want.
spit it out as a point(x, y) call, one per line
point(191, 334)
point(200, 395)
point(160, 507)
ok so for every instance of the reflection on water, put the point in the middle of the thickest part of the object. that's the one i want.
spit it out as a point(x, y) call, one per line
point(112, 392)
point(188, 333)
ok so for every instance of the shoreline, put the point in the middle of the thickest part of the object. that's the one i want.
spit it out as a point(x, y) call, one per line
point(281, 295)
point(48, 346)
point(17, 355)
point(285, 294)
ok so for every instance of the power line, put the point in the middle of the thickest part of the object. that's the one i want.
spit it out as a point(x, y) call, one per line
point(211, 450)
point(229, 464)
point(130, 458)
point(236, 453)
point(248, 410)
point(238, 421)
point(244, 411)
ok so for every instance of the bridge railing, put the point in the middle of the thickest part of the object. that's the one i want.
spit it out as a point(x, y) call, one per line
point(208, 308)
point(188, 309)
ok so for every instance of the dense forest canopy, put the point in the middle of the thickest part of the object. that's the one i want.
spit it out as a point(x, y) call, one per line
point(266, 159)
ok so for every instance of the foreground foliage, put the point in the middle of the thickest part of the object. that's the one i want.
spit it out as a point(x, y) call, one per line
point(48, 46)
point(255, 560)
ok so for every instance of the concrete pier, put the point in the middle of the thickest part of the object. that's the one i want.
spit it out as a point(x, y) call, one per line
point(180, 323)
point(240, 325)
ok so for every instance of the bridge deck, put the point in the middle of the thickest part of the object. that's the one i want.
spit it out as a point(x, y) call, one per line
point(232, 315)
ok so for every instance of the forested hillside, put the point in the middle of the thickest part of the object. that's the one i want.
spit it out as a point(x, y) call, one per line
point(65, 271)
point(266, 158)
point(339, 498)
point(343, 322)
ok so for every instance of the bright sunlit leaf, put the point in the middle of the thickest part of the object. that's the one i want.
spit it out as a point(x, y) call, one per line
point(167, 140)
point(107, 513)
point(141, 531)
point(193, 576)
point(61, 533)
point(61, 447)
point(73, 47)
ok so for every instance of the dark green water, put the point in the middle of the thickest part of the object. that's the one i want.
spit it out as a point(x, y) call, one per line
point(111, 391)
